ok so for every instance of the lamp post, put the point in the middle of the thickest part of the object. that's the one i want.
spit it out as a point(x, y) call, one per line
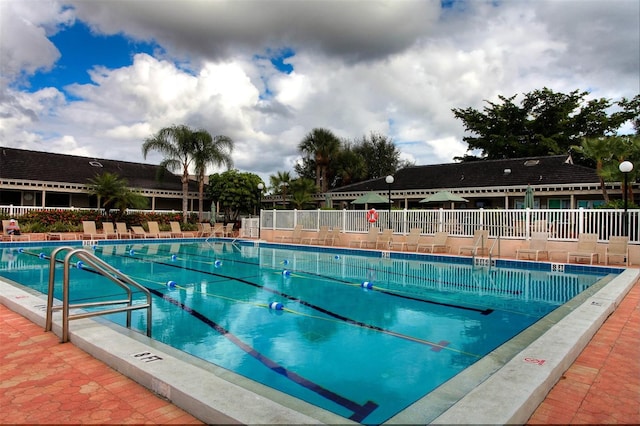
point(625, 167)
point(389, 179)
point(260, 188)
point(285, 185)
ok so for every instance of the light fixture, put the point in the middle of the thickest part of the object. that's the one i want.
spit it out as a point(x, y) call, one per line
point(389, 179)
point(260, 188)
point(625, 167)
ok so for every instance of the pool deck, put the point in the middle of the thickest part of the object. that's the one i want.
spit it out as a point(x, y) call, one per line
point(43, 381)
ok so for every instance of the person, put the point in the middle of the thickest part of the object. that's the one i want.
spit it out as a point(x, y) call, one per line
point(13, 228)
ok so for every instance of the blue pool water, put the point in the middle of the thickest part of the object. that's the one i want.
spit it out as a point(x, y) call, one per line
point(363, 353)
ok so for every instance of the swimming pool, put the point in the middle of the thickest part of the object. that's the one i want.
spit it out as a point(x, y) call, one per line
point(363, 353)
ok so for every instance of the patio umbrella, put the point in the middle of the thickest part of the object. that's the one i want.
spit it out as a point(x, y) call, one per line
point(528, 198)
point(370, 198)
point(444, 197)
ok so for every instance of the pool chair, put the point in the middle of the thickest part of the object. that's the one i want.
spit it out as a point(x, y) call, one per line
point(10, 237)
point(217, 230)
point(109, 230)
point(333, 238)
point(480, 240)
point(155, 232)
point(537, 247)
point(123, 232)
point(319, 238)
point(139, 232)
point(89, 231)
point(294, 237)
point(204, 230)
point(177, 232)
point(410, 242)
point(586, 249)
point(437, 245)
point(370, 241)
point(618, 248)
point(384, 239)
point(228, 230)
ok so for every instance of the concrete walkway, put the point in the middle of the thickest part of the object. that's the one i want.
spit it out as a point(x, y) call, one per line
point(43, 381)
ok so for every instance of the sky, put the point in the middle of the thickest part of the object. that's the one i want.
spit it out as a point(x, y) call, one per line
point(96, 78)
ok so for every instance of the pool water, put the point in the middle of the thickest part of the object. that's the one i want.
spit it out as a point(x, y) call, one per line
point(306, 323)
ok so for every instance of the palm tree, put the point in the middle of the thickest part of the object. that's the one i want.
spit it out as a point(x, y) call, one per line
point(113, 192)
point(279, 183)
point(323, 145)
point(598, 150)
point(107, 187)
point(176, 143)
point(302, 191)
point(209, 150)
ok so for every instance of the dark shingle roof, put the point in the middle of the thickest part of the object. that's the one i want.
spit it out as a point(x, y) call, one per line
point(49, 167)
point(552, 170)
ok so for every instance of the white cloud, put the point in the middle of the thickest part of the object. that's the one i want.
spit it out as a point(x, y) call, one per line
point(393, 67)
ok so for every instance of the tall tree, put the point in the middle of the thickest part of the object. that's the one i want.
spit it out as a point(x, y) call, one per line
point(322, 145)
point(236, 192)
point(545, 123)
point(349, 167)
point(380, 155)
point(177, 145)
point(209, 150)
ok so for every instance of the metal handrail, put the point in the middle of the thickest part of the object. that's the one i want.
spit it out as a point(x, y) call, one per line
point(104, 269)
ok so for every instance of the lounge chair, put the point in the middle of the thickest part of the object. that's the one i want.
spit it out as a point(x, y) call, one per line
point(10, 237)
point(139, 232)
point(155, 232)
point(109, 230)
point(333, 238)
point(437, 245)
point(537, 247)
point(480, 240)
point(618, 247)
point(228, 230)
point(586, 248)
point(294, 237)
point(320, 236)
point(204, 230)
point(177, 232)
point(384, 239)
point(217, 230)
point(89, 231)
point(411, 240)
point(370, 240)
point(123, 232)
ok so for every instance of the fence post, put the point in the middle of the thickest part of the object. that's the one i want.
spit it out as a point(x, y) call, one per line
point(344, 219)
point(580, 220)
point(440, 219)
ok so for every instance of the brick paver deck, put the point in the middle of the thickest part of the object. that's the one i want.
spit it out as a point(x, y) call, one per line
point(43, 381)
point(603, 384)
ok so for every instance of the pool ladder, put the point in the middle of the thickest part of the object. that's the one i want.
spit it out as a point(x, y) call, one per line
point(102, 268)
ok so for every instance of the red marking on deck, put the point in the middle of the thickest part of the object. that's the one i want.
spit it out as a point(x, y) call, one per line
point(441, 344)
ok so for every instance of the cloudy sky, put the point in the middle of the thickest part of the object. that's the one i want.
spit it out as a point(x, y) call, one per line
point(95, 78)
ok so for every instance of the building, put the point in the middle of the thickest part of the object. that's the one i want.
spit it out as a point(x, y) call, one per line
point(42, 179)
point(556, 181)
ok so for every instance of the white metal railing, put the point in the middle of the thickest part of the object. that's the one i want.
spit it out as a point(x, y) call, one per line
point(561, 225)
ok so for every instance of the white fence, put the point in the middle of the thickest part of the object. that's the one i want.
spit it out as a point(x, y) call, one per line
point(562, 225)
